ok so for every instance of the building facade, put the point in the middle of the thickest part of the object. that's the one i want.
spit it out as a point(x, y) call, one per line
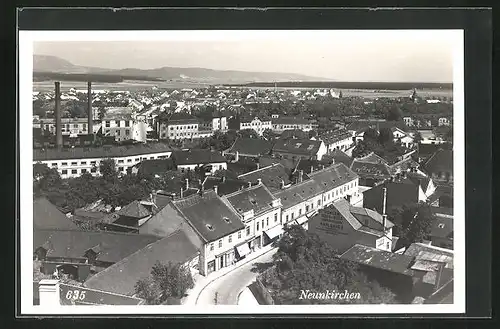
point(257, 124)
point(69, 126)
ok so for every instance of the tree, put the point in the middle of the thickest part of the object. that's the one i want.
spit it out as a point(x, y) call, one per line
point(394, 114)
point(165, 281)
point(386, 137)
point(304, 262)
point(107, 168)
point(247, 133)
point(413, 223)
point(268, 134)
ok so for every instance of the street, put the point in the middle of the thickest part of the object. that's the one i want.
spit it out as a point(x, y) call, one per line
point(229, 286)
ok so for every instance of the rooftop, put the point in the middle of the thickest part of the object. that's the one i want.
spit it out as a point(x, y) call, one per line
point(155, 167)
point(297, 146)
point(197, 157)
point(251, 147)
point(47, 216)
point(122, 276)
point(298, 193)
point(256, 198)
point(381, 259)
point(99, 152)
point(272, 176)
point(333, 176)
point(209, 215)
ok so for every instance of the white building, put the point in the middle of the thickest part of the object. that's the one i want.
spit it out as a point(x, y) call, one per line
point(73, 162)
point(69, 126)
point(256, 124)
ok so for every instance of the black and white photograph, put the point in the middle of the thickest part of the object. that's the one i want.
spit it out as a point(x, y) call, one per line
point(242, 171)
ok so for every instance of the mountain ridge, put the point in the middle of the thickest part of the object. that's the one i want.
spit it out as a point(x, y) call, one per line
point(54, 64)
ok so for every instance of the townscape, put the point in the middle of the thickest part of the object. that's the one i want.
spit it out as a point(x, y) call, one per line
point(233, 194)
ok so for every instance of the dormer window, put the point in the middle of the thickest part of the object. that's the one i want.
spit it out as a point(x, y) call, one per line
point(227, 220)
point(210, 227)
point(441, 225)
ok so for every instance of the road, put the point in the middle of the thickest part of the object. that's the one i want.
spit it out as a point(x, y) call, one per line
point(228, 287)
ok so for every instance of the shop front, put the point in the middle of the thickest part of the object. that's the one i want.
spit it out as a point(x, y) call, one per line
point(273, 234)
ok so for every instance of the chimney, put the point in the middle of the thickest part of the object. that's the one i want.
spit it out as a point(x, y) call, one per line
point(301, 176)
point(57, 112)
point(237, 157)
point(216, 189)
point(282, 184)
point(187, 183)
point(258, 165)
point(223, 179)
point(259, 181)
point(181, 195)
point(384, 214)
point(49, 292)
point(90, 121)
point(312, 169)
point(249, 184)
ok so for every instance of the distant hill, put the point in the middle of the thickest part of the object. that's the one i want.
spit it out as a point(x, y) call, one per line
point(53, 64)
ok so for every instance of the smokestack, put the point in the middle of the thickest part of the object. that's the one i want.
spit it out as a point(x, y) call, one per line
point(181, 195)
point(90, 121)
point(301, 176)
point(57, 112)
point(237, 157)
point(187, 183)
point(384, 214)
point(216, 189)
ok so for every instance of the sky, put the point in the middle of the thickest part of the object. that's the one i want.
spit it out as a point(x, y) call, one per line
point(390, 55)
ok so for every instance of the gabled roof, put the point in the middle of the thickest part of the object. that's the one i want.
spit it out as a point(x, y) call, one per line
point(344, 208)
point(134, 209)
point(251, 146)
point(431, 253)
point(333, 176)
point(341, 157)
point(271, 176)
point(224, 187)
point(363, 213)
point(256, 198)
point(335, 136)
point(113, 246)
point(381, 259)
point(440, 161)
point(398, 194)
point(369, 169)
point(197, 157)
point(47, 216)
point(298, 193)
point(297, 146)
point(121, 277)
point(209, 215)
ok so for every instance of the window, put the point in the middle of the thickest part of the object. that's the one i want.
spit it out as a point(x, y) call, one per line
point(127, 124)
point(93, 170)
point(74, 171)
point(220, 243)
point(74, 163)
point(83, 162)
point(84, 126)
point(300, 212)
point(387, 245)
point(84, 171)
point(293, 215)
point(267, 221)
point(118, 132)
point(275, 218)
point(118, 123)
point(319, 203)
point(258, 226)
point(127, 133)
point(137, 159)
point(54, 164)
point(248, 230)
point(129, 160)
point(107, 124)
point(120, 161)
point(120, 168)
point(75, 126)
point(239, 235)
point(307, 208)
point(230, 239)
point(64, 172)
point(287, 218)
point(93, 162)
point(211, 247)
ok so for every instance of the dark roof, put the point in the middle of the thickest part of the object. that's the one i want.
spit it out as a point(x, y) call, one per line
point(267, 160)
point(251, 147)
point(256, 198)
point(113, 246)
point(271, 176)
point(154, 167)
point(381, 259)
point(362, 125)
point(224, 187)
point(293, 133)
point(341, 157)
point(440, 161)
point(417, 178)
point(121, 277)
point(331, 137)
point(282, 120)
point(333, 176)
point(209, 215)
point(241, 167)
point(425, 150)
point(298, 193)
point(197, 157)
point(398, 194)
point(306, 164)
point(98, 152)
point(442, 227)
point(370, 170)
point(416, 249)
point(134, 209)
point(47, 216)
point(363, 213)
point(297, 146)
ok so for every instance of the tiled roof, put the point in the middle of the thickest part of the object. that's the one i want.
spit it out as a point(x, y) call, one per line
point(99, 152)
point(73, 244)
point(209, 215)
point(398, 194)
point(298, 193)
point(341, 157)
point(121, 277)
point(134, 209)
point(368, 169)
point(297, 146)
point(224, 187)
point(47, 216)
point(256, 198)
point(251, 147)
point(157, 166)
point(381, 259)
point(197, 157)
point(271, 176)
point(333, 176)
point(335, 136)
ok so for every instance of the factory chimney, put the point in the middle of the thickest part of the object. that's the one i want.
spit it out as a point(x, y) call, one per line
point(90, 122)
point(57, 113)
point(384, 210)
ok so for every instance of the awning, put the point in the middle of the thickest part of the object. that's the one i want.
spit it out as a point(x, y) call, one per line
point(301, 220)
point(274, 231)
point(243, 249)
